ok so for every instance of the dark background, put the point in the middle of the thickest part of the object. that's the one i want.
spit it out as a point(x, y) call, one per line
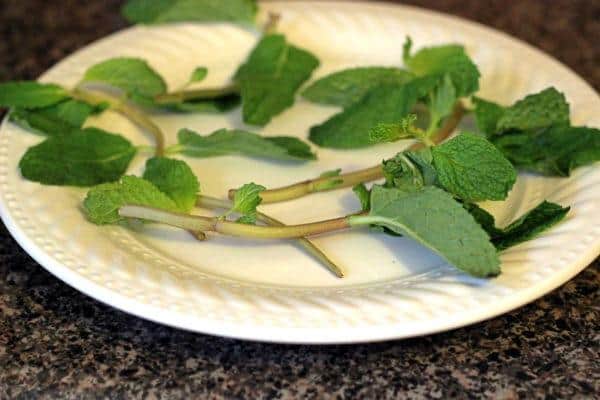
point(57, 342)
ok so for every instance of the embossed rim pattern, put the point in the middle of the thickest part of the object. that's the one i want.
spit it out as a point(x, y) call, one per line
point(436, 301)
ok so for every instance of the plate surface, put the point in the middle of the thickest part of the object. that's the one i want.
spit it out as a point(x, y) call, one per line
point(271, 290)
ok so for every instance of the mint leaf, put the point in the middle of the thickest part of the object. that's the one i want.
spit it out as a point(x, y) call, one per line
point(554, 151)
point(346, 87)
point(483, 218)
point(245, 201)
point(364, 196)
point(29, 94)
point(330, 183)
point(132, 75)
point(175, 179)
point(441, 60)
point(531, 224)
point(271, 76)
point(83, 158)
point(226, 142)
point(404, 129)
point(199, 74)
point(548, 107)
point(102, 202)
point(410, 170)
point(433, 218)
point(381, 106)
point(487, 115)
point(57, 119)
point(163, 11)
point(441, 102)
point(473, 169)
point(216, 105)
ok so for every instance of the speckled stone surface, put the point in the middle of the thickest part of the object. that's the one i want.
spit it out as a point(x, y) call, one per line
point(58, 343)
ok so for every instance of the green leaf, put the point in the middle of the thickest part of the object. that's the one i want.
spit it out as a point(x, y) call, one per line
point(102, 202)
point(132, 75)
point(82, 158)
point(271, 76)
point(548, 107)
point(347, 87)
point(199, 74)
point(554, 151)
point(487, 115)
point(245, 201)
point(404, 129)
point(530, 225)
point(30, 94)
point(410, 170)
point(382, 105)
point(227, 142)
point(57, 119)
point(163, 11)
point(174, 178)
point(329, 183)
point(331, 174)
point(441, 102)
point(364, 196)
point(448, 59)
point(483, 218)
point(471, 168)
point(433, 218)
point(216, 105)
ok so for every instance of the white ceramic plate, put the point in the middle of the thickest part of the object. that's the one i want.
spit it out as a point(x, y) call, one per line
point(272, 291)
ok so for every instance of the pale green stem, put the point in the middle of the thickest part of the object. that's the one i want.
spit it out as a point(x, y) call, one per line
point(122, 107)
point(310, 247)
point(212, 224)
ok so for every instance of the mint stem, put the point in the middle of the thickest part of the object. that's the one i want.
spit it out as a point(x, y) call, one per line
point(214, 224)
point(310, 247)
point(303, 188)
point(119, 105)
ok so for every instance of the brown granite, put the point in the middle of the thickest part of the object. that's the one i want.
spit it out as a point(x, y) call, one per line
point(58, 343)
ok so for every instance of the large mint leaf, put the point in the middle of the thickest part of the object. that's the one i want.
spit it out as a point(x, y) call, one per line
point(346, 87)
point(556, 150)
point(83, 158)
point(382, 105)
point(227, 142)
point(57, 119)
point(163, 11)
point(29, 94)
point(102, 202)
point(548, 107)
point(451, 60)
point(271, 76)
point(473, 169)
point(433, 218)
point(175, 179)
point(132, 75)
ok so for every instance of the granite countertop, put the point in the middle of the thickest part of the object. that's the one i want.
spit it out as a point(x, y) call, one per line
point(58, 343)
